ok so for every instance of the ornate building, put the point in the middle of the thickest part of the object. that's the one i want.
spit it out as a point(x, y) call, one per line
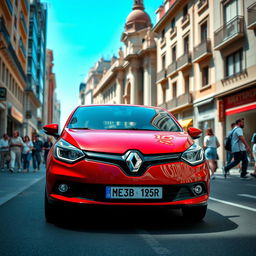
point(130, 78)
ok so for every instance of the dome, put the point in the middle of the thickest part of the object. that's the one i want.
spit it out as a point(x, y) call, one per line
point(137, 19)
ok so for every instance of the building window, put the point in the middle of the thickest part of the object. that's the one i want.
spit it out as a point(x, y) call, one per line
point(174, 53)
point(231, 10)
point(205, 76)
point(15, 22)
point(204, 32)
point(163, 34)
point(173, 24)
point(234, 63)
point(186, 44)
point(187, 84)
point(174, 90)
point(185, 10)
point(163, 61)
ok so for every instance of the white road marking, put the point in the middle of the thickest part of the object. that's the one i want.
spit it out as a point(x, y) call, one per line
point(246, 195)
point(233, 204)
point(153, 243)
point(9, 196)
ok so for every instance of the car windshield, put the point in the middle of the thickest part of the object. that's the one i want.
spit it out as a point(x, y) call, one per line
point(122, 118)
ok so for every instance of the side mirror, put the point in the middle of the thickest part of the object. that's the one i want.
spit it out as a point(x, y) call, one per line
point(52, 129)
point(194, 132)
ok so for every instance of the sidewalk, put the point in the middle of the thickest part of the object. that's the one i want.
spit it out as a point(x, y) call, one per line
point(12, 184)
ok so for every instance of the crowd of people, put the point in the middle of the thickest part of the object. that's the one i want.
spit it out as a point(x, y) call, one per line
point(16, 153)
point(239, 153)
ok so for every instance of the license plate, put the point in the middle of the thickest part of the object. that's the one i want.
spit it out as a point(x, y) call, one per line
point(134, 192)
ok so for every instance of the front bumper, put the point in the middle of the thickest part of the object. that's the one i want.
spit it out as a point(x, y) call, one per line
point(88, 180)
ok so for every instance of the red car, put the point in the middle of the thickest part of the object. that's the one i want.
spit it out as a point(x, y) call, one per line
point(125, 155)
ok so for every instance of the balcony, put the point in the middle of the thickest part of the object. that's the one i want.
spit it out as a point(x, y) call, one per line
point(162, 42)
point(25, 6)
point(252, 16)
point(184, 61)
point(7, 45)
point(180, 101)
point(229, 32)
point(22, 47)
point(9, 6)
point(3, 32)
point(202, 51)
point(172, 68)
point(23, 21)
point(161, 76)
point(185, 21)
point(202, 5)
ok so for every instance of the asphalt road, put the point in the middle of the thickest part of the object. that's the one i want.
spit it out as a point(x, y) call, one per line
point(229, 227)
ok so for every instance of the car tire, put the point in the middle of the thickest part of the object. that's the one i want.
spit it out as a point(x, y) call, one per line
point(50, 211)
point(195, 213)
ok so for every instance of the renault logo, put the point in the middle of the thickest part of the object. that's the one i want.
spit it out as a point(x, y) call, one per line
point(133, 161)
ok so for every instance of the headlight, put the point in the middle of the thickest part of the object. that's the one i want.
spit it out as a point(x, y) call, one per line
point(194, 155)
point(66, 152)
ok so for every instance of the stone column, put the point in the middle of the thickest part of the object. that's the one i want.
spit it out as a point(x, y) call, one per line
point(120, 87)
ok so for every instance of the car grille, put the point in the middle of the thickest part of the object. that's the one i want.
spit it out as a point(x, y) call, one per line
point(120, 161)
point(96, 192)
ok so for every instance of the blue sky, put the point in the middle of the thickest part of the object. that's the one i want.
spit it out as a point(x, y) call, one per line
point(79, 33)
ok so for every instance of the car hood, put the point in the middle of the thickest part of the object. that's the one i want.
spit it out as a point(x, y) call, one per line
point(119, 141)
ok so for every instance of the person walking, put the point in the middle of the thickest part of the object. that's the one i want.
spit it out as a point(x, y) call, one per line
point(211, 144)
point(27, 153)
point(36, 153)
point(47, 146)
point(229, 154)
point(239, 148)
point(254, 153)
point(16, 145)
point(4, 150)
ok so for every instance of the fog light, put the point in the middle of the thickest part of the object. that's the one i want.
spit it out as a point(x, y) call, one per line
point(198, 189)
point(63, 188)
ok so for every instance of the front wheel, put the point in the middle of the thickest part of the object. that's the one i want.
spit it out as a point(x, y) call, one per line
point(194, 213)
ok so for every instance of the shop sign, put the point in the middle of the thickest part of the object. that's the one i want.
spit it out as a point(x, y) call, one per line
point(16, 114)
point(241, 98)
point(2, 93)
point(221, 111)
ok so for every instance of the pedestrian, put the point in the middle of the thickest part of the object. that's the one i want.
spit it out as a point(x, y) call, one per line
point(4, 150)
point(16, 145)
point(229, 154)
point(27, 153)
point(211, 144)
point(36, 153)
point(47, 146)
point(254, 153)
point(239, 148)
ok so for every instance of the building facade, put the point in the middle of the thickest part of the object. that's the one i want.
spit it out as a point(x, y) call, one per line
point(36, 67)
point(206, 63)
point(14, 17)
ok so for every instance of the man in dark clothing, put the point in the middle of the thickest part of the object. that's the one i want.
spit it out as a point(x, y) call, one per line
point(47, 146)
point(36, 153)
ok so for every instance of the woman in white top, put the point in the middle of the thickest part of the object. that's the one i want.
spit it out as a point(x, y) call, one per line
point(211, 144)
point(27, 153)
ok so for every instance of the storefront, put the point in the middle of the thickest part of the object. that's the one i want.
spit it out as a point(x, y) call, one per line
point(205, 113)
point(241, 105)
